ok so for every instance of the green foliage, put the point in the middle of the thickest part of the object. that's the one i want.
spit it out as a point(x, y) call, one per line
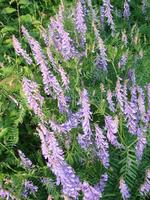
point(18, 123)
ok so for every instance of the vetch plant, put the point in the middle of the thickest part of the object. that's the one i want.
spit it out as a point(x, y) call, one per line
point(89, 115)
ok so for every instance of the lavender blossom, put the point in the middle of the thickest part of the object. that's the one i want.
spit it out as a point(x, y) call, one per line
point(5, 194)
point(20, 51)
point(80, 23)
point(63, 43)
point(49, 80)
point(141, 104)
point(111, 126)
point(145, 187)
point(119, 94)
point(90, 193)
point(130, 112)
point(108, 13)
point(64, 77)
point(24, 160)
point(102, 15)
point(29, 188)
point(148, 95)
point(126, 12)
point(32, 93)
point(102, 183)
point(102, 147)
point(123, 60)
point(110, 101)
point(101, 60)
point(64, 173)
point(124, 189)
point(124, 38)
point(131, 76)
point(85, 139)
point(140, 145)
point(67, 126)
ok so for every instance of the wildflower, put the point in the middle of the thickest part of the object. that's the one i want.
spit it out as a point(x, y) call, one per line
point(64, 173)
point(148, 95)
point(5, 194)
point(126, 12)
point(67, 126)
point(124, 189)
point(85, 139)
point(124, 38)
point(108, 13)
point(140, 145)
point(145, 187)
point(102, 183)
point(131, 76)
point(20, 51)
point(102, 147)
point(63, 43)
point(110, 101)
point(141, 104)
point(130, 112)
point(101, 60)
point(90, 193)
point(119, 94)
point(112, 129)
point(123, 60)
point(49, 80)
point(24, 160)
point(32, 93)
point(29, 188)
point(80, 23)
point(64, 77)
point(102, 15)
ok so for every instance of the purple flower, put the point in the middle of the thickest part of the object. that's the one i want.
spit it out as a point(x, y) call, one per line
point(102, 147)
point(63, 43)
point(126, 12)
point(130, 112)
point(90, 193)
point(85, 139)
point(29, 188)
point(124, 38)
point(49, 80)
point(64, 173)
point(101, 60)
point(108, 13)
point(123, 60)
point(73, 122)
point(102, 183)
point(131, 76)
point(102, 15)
point(80, 23)
point(140, 145)
point(20, 51)
point(124, 189)
point(24, 160)
point(148, 95)
point(111, 126)
point(64, 77)
point(145, 187)
point(119, 94)
point(110, 101)
point(141, 104)
point(32, 93)
point(5, 194)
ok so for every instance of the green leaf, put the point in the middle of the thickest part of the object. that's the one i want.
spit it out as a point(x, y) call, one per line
point(9, 10)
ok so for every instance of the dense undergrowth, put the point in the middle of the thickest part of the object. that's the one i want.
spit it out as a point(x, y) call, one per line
point(91, 101)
